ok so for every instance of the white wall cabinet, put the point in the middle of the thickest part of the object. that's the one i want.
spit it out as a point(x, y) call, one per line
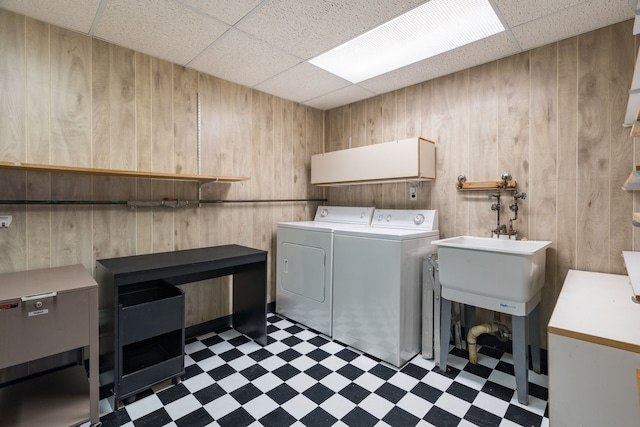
point(411, 159)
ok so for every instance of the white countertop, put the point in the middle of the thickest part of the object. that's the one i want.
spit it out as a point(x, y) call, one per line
point(597, 307)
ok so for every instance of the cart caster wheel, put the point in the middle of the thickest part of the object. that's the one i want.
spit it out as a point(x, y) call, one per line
point(130, 399)
point(98, 424)
point(176, 380)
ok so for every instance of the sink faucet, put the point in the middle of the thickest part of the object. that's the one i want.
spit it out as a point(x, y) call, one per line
point(512, 231)
point(500, 229)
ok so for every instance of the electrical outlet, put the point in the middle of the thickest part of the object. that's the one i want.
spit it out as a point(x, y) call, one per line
point(413, 195)
point(5, 221)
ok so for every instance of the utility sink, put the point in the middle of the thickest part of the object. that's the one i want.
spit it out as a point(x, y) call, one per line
point(497, 274)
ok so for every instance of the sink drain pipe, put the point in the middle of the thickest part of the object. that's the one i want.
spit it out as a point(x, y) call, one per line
point(485, 328)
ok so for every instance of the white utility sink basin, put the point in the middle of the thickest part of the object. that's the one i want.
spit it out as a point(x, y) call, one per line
point(496, 274)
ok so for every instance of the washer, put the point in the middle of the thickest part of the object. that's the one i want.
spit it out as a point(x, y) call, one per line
point(304, 269)
point(377, 283)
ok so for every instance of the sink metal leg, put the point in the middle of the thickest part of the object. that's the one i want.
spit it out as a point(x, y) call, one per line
point(520, 364)
point(445, 332)
point(534, 338)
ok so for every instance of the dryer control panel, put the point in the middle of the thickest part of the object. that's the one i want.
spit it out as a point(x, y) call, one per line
point(421, 219)
point(344, 214)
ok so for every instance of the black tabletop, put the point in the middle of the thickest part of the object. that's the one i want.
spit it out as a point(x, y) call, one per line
point(188, 261)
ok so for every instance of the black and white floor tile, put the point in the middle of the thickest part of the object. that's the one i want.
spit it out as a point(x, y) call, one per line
point(302, 378)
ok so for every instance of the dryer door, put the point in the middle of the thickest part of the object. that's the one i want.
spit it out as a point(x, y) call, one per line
point(303, 271)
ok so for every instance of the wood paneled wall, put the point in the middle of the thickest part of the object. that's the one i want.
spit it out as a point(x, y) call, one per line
point(68, 99)
point(551, 117)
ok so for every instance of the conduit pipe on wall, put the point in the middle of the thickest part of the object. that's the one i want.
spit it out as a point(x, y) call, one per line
point(146, 204)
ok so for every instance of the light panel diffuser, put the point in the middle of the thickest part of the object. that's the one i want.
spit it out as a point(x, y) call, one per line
point(425, 31)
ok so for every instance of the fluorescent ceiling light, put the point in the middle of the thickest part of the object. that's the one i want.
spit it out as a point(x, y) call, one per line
point(425, 31)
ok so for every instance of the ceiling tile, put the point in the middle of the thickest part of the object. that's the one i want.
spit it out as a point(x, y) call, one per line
point(272, 35)
point(567, 23)
point(517, 13)
point(340, 97)
point(302, 82)
point(480, 52)
point(253, 61)
point(161, 28)
point(226, 11)
point(309, 28)
point(70, 14)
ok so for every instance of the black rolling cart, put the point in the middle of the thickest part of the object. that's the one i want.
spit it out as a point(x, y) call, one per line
point(149, 345)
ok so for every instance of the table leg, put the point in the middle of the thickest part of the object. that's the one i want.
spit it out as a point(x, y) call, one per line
point(94, 355)
point(250, 301)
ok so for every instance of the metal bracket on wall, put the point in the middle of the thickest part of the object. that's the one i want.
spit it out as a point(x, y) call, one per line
point(199, 136)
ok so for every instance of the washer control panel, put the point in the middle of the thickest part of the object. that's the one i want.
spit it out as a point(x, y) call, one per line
point(406, 218)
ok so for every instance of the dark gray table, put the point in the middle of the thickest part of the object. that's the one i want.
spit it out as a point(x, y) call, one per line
point(247, 265)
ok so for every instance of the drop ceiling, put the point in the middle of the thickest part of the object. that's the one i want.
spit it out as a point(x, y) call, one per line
point(266, 44)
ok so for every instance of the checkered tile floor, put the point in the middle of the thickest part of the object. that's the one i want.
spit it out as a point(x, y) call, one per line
point(302, 378)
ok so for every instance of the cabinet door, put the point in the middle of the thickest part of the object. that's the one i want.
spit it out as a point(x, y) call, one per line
point(43, 327)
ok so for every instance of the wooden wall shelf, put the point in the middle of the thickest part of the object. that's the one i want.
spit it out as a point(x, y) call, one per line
point(633, 182)
point(632, 263)
point(632, 115)
point(486, 185)
point(30, 167)
point(635, 129)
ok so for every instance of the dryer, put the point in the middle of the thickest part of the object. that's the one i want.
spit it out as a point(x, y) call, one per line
point(377, 283)
point(304, 269)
